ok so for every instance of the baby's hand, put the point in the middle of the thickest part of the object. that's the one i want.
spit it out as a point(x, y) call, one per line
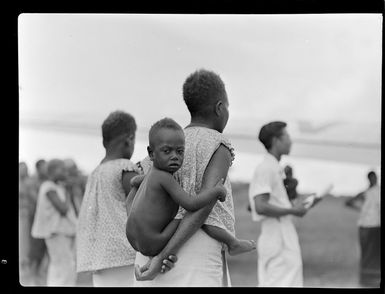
point(221, 190)
point(136, 181)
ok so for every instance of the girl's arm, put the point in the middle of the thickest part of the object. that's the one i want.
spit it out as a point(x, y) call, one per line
point(61, 207)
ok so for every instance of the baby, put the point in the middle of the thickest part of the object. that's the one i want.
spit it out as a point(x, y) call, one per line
point(155, 198)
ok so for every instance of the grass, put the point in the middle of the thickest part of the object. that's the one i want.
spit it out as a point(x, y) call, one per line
point(328, 237)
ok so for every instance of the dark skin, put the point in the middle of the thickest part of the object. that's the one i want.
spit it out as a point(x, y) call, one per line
point(123, 147)
point(216, 170)
point(357, 201)
point(151, 221)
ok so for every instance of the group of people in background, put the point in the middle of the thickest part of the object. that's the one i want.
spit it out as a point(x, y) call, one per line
point(49, 202)
point(167, 220)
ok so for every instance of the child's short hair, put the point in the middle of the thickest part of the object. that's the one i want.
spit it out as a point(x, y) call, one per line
point(269, 131)
point(39, 163)
point(116, 124)
point(202, 89)
point(167, 123)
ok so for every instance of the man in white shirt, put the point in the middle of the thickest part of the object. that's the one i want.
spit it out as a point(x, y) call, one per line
point(279, 253)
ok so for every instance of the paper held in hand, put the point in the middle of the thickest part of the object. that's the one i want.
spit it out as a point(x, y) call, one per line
point(308, 202)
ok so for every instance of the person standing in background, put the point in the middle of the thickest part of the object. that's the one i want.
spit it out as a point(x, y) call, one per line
point(75, 187)
point(103, 250)
point(75, 184)
point(279, 253)
point(290, 183)
point(38, 251)
point(55, 222)
point(26, 187)
point(369, 230)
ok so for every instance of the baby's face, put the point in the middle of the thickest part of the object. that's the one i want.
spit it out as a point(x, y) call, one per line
point(168, 150)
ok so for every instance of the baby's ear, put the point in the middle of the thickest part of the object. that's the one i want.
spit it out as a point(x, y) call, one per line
point(150, 153)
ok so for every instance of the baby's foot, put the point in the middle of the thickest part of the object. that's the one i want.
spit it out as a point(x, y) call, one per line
point(242, 246)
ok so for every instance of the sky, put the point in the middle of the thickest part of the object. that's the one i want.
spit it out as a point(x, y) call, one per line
point(324, 67)
point(312, 70)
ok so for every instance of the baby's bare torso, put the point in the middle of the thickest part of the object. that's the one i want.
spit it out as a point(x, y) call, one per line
point(152, 210)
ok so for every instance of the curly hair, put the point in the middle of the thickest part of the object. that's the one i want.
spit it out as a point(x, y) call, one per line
point(117, 123)
point(269, 131)
point(165, 123)
point(202, 89)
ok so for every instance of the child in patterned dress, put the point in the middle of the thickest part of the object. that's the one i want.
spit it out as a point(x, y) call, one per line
point(102, 247)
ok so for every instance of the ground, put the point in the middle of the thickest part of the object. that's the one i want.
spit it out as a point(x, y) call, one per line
point(328, 239)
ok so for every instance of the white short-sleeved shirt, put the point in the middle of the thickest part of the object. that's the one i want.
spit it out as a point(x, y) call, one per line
point(370, 215)
point(48, 220)
point(268, 178)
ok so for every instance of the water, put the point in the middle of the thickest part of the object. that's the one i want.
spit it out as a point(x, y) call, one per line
point(313, 173)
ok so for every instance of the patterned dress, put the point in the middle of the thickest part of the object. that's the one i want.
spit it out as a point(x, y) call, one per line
point(200, 262)
point(101, 235)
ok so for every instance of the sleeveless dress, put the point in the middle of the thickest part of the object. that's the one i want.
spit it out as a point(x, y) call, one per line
point(101, 236)
point(200, 260)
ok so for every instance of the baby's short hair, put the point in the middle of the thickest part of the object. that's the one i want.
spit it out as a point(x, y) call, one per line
point(201, 89)
point(269, 131)
point(165, 123)
point(116, 124)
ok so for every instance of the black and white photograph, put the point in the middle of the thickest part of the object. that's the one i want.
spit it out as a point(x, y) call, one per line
point(200, 150)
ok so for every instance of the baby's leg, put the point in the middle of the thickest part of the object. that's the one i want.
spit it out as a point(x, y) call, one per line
point(235, 246)
point(169, 230)
point(159, 240)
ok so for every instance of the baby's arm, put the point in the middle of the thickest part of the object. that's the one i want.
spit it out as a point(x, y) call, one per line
point(134, 183)
point(189, 203)
point(127, 176)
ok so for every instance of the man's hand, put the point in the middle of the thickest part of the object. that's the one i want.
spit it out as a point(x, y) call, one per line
point(316, 200)
point(299, 209)
point(153, 267)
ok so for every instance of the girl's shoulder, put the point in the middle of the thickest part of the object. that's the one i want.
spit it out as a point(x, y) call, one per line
point(207, 134)
point(207, 140)
point(120, 164)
